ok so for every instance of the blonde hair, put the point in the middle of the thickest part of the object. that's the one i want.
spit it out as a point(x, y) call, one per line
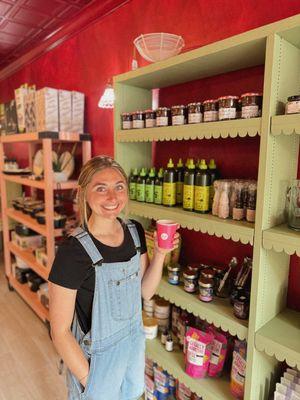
point(94, 165)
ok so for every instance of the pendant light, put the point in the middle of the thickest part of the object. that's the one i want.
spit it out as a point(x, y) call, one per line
point(108, 97)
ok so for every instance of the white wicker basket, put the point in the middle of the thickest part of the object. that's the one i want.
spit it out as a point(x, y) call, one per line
point(158, 46)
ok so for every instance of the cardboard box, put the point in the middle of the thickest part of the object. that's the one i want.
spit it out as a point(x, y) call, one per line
point(20, 94)
point(47, 109)
point(30, 111)
point(11, 117)
point(2, 119)
point(77, 112)
point(65, 110)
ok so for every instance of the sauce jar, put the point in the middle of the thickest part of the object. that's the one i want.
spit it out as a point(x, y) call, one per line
point(126, 119)
point(150, 118)
point(138, 120)
point(162, 116)
point(195, 114)
point(206, 288)
point(210, 108)
point(178, 115)
point(241, 307)
point(190, 281)
point(174, 274)
point(251, 105)
point(227, 107)
point(293, 105)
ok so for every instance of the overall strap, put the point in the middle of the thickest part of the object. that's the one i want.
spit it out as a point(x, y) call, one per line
point(135, 236)
point(89, 246)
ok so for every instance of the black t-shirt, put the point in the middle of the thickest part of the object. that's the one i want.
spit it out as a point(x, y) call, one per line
point(72, 268)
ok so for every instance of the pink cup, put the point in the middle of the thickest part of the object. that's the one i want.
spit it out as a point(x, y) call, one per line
point(166, 230)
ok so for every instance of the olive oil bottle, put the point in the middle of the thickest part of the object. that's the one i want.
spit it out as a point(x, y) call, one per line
point(169, 185)
point(202, 189)
point(214, 175)
point(132, 183)
point(158, 187)
point(149, 190)
point(179, 182)
point(188, 186)
point(141, 186)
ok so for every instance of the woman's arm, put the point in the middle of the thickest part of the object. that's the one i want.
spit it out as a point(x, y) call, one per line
point(62, 305)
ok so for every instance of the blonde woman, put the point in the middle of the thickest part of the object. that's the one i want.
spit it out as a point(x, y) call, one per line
point(96, 283)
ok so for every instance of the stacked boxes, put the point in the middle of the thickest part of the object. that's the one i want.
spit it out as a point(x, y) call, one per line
point(65, 110)
point(30, 111)
point(20, 95)
point(77, 112)
point(11, 117)
point(47, 109)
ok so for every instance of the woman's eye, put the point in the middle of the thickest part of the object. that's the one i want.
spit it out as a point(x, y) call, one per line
point(120, 187)
point(100, 189)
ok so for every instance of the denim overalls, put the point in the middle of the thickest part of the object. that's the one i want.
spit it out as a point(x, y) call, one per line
point(115, 345)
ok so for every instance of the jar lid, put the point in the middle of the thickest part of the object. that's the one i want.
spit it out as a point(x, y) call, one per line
point(149, 111)
point(138, 112)
point(228, 97)
point(208, 273)
point(179, 106)
point(210, 101)
point(189, 274)
point(205, 282)
point(251, 94)
point(163, 109)
point(296, 97)
point(194, 104)
point(173, 267)
point(126, 113)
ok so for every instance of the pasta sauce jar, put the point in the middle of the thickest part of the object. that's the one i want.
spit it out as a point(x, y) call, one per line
point(251, 105)
point(126, 119)
point(195, 114)
point(138, 120)
point(162, 116)
point(227, 107)
point(150, 118)
point(210, 108)
point(178, 115)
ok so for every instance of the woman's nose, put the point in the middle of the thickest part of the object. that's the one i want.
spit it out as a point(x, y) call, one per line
point(111, 194)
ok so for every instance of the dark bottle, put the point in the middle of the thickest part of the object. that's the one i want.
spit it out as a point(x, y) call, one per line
point(179, 183)
point(141, 185)
point(202, 188)
point(214, 175)
point(169, 185)
point(149, 190)
point(158, 187)
point(188, 186)
point(132, 184)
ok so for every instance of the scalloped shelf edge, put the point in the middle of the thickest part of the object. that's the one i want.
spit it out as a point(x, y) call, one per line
point(279, 247)
point(278, 355)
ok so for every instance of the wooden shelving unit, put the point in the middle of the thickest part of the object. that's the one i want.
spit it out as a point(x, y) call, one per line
point(277, 47)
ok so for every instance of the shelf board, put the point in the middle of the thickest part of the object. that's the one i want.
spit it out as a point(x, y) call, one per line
point(285, 124)
point(206, 223)
point(30, 298)
point(218, 312)
point(281, 238)
point(28, 257)
point(280, 337)
point(23, 180)
point(31, 222)
point(205, 130)
point(37, 136)
point(173, 363)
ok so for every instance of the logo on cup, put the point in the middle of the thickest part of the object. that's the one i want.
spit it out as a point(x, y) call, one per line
point(164, 236)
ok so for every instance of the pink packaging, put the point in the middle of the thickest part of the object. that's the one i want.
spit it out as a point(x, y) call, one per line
point(238, 370)
point(218, 354)
point(198, 350)
point(166, 230)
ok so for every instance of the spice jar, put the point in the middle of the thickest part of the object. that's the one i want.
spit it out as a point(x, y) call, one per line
point(210, 108)
point(174, 274)
point(162, 116)
point(238, 208)
point(293, 105)
point(126, 120)
point(241, 307)
point(195, 113)
point(223, 207)
point(178, 115)
point(227, 107)
point(138, 120)
point(190, 281)
point(251, 105)
point(251, 202)
point(206, 288)
point(150, 118)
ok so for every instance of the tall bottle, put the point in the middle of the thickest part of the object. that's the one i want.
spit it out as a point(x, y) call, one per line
point(188, 186)
point(202, 188)
point(214, 175)
point(158, 187)
point(169, 185)
point(179, 183)
point(149, 189)
point(132, 183)
point(141, 185)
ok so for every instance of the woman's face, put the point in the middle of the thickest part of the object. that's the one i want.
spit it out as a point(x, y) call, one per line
point(107, 193)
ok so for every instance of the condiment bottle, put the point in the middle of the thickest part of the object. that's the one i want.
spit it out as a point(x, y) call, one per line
point(132, 184)
point(223, 209)
point(214, 175)
point(251, 203)
point(141, 185)
point(169, 185)
point(238, 208)
point(202, 189)
point(188, 186)
point(179, 182)
point(158, 187)
point(149, 189)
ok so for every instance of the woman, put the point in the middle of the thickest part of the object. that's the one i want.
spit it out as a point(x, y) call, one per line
point(96, 283)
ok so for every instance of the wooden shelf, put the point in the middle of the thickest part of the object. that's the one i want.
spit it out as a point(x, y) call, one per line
point(30, 297)
point(23, 180)
point(205, 130)
point(37, 136)
point(31, 222)
point(229, 229)
point(219, 312)
point(280, 337)
point(173, 363)
point(285, 124)
point(281, 238)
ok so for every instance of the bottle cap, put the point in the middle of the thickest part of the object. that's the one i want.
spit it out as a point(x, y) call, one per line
point(191, 164)
point(212, 164)
point(152, 173)
point(202, 164)
point(170, 163)
point(179, 164)
point(143, 172)
point(135, 171)
point(160, 173)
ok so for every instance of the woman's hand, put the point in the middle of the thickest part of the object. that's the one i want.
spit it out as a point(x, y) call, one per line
point(162, 251)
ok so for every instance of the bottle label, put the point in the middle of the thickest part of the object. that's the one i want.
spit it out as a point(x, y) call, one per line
point(137, 124)
point(127, 124)
point(188, 197)
point(250, 112)
point(216, 352)
point(149, 193)
point(179, 192)
point(202, 198)
point(150, 123)
point(162, 121)
point(132, 190)
point(169, 194)
point(178, 120)
point(292, 107)
point(195, 118)
point(158, 194)
point(195, 351)
point(140, 192)
point(227, 113)
point(210, 116)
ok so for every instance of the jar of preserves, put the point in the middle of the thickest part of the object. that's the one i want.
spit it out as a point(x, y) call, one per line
point(293, 105)
point(174, 274)
point(178, 115)
point(150, 118)
point(138, 120)
point(227, 107)
point(195, 113)
point(162, 116)
point(210, 110)
point(241, 307)
point(126, 119)
point(190, 281)
point(206, 288)
point(251, 105)
point(208, 273)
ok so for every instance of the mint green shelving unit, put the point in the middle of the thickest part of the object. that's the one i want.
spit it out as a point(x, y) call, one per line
point(273, 332)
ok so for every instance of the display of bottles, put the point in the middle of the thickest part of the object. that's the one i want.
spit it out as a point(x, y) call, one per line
point(158, 187)
point(169, 185)
point(188, 186)
point(141, 185)
point(179, 182)
point(149, 189)
point(214, 175)
point(132, 183)
point(202, 188)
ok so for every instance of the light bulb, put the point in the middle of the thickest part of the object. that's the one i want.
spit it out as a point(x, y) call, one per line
point(108, 98)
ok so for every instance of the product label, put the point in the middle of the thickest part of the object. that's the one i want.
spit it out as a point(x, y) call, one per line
point(202, 195)
point(205, 294)
point(150, 123)
point(149, 193)
point(179, 192)
point(140, 192)
point(137, 124)
point(184, 393)
point(195, 351)
point(227, 113)
point(161, 379)
point(178, 120)
point(158, 192)
point(181, 332)
point(216, 351)
point(250, 112)
point(293, 107)
point(127, 124)
point(169, 194)
point(210, 116)
point(238, 368)
point(162, 121)
point(132, 191)
point(195, 118)
point(188, 197)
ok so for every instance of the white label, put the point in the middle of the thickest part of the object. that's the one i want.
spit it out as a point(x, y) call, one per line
point(178, 120)
point(137, 123)
point(250, 112)
point(210, 116)
point(127, 124)
point(162, 121)
point(292, 107)
point(216, 351)
point(150, 123)
point(164, 236)
point(195, 351)
point(238, 368)
point(227, 113)
point(195, 118)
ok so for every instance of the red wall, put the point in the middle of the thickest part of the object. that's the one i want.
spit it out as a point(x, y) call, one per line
point(86, 61)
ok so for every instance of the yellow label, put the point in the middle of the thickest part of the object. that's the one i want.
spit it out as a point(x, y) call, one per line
point(179, 192)
point(169, 194)
point(202, 198)
point(188, 197)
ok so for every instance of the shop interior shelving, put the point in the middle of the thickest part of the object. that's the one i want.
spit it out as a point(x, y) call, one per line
point(34, 140)
point(277, 47)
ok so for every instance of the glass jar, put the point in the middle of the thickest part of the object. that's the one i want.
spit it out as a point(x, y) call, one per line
point(210, 110)
point(238, 208)
point(208, 273)
point(138, 120)
point(227, 107)
point(126, 120)
point(150, 118)
point(162, 116)
point(223, 290)
point(223, 208)
point(293, 105)
point(174, 274)
point(195, 113)
point(241, 307)
point(251, 202)
point(239, 109)
point(178, 115)
point(236, 292)
point(190, 281)
point(251, 105)
point(206, 289)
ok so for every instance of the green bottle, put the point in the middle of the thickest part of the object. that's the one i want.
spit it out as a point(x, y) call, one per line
point(169, 185)
point(202, 189)
point(179, 182)
point(188, 186)
point(141, 186)
point(214, 175)
point(158, 187)
point(149, 190)
point(132, 183)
